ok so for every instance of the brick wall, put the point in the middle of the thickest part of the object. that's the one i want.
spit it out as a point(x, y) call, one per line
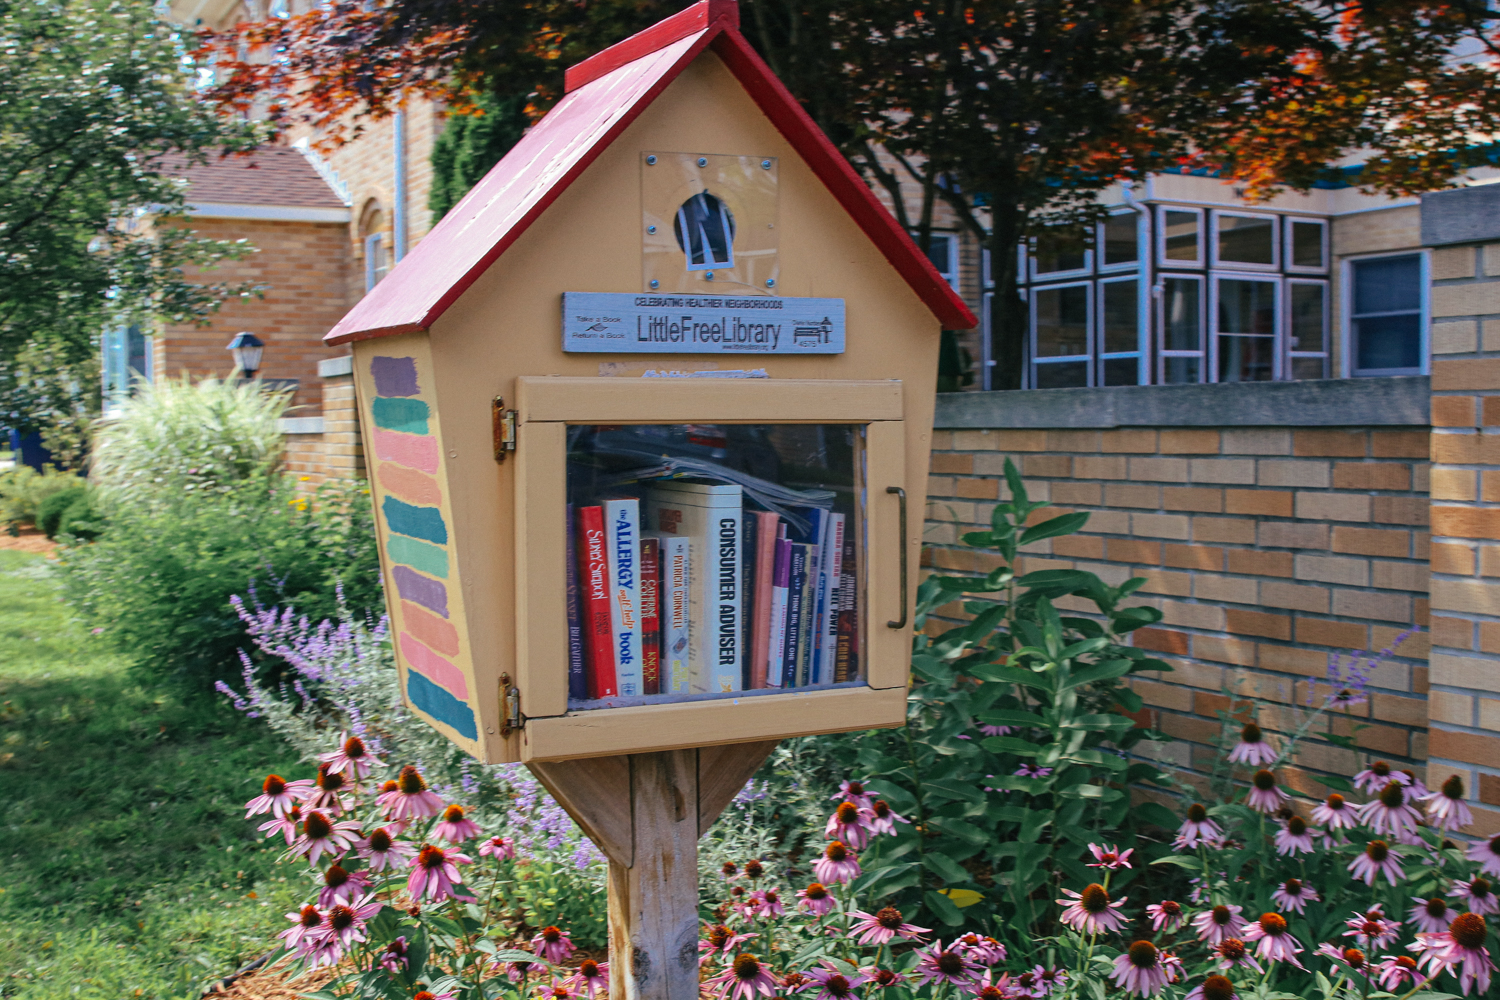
point(1265, 548)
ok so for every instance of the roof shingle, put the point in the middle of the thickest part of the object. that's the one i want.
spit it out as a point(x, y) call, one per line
point(271, 175)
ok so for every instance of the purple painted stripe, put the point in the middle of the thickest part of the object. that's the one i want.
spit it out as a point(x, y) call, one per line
point(394, 376)
point(423, 590)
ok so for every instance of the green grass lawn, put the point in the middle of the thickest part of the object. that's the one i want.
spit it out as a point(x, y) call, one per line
point(126, 867)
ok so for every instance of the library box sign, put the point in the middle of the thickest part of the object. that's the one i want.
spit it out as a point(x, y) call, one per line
point(627, 323)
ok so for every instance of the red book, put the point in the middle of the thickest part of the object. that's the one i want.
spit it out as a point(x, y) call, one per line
point(593, 580)
point(766, 531)
point(650, 616)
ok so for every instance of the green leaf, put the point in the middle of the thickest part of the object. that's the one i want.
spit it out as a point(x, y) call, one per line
point(1096, 672)
point(962, 830)
point(964, 792)
point(943, 908)
point(1180, 860)
point(1064, 524)
point(945, 868)
point(1010, 744)
point(1012, 717)
point(516, 955)
point(1336, 782)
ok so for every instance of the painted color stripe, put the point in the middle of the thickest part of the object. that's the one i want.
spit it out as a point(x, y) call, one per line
point(394, 376)
point(428, 558)
point(418, 522)
point(409, 415)
point(423, 590)
point(409, 484)
point(419, 453)
point(431, 629)
point(442, 706)
point(433, 667)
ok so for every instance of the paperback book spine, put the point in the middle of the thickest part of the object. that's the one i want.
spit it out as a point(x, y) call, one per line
point(797, 576)
point(760, 619)
point(846, 655)
point(780, 589)
point(806, 633)
point(650, 616)
point(622, 520)
point(598, 634)
point(578, 682)
point(728, 635)
point(749, 533)
point(832, 576)
point(675, 576)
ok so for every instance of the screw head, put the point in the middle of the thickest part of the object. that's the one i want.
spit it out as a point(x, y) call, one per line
point(655, 283)
point(770, 282)
point(650, 229)
point(709, 275)
point(765, 164)
point(651, 160)
point(702, 161)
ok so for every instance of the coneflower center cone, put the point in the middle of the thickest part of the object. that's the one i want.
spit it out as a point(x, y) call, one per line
point(1218, 988)
point(316, 826)
point(889, 918)
point(1093, 898)
point(1469, 930)
point(746, 967)
point(1196, 813)
point(835, 851)
point(1221, 914)
point(848, 812)
point(1296, 826)
point(1378, 851)
point(1251, 733)
point(1436, 907)
point(380, 841)
point(1354, 957)
point(950, 964)
point(1143, 955)
point(1391, 796)
point(1264, 780)
point(1453, 788)
point(274, 784)
point(410, 781)
point(1273, 924)
point(453, 814)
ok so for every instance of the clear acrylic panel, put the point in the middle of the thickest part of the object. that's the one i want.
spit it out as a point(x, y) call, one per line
point(1245, 240)
point(709, 223)
point(1062, 321)
point(1180, 236)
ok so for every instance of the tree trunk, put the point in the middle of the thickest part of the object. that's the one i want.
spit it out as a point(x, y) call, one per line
point(1009, 321)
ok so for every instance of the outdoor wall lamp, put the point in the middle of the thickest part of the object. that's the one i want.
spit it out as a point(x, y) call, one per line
point(247, 349)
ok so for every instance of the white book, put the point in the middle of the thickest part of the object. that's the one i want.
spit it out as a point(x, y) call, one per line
point(676, 572)
point(708, 515)
point(622, 539)
point(828, 604)
point(779, 595)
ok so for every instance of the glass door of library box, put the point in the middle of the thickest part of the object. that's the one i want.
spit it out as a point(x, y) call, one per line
point(705, 561)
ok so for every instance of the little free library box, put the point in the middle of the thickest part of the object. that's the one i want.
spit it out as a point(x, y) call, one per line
point(647, 419)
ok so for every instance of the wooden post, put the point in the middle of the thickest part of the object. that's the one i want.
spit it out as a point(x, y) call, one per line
point(646, 812)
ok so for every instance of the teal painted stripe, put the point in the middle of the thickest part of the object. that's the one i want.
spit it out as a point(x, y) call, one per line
point(409, 415)
point(419, 555)
point(441, 705)
point(418, 522)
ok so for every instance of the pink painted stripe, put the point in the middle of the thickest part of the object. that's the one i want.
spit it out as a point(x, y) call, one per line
point(414, 452)
point(410, 485)
point(432, 666)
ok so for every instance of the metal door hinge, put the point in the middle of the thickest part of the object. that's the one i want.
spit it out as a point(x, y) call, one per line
point(511, 719)
point(503, 425)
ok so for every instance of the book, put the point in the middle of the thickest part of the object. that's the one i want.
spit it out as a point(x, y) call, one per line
point(846, 645)
point(764, 561)
point(578, 682)
point(749, 527)
point(832, 582)
point(622, 530)
point(598, 632)
point(675, 573)
point(813, 609)
point(650, 616)
point(708, 515)
point(807, 630)
point(796, 581)
point(780, 587)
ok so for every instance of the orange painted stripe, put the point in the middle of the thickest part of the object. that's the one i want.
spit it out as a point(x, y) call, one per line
point(432, 666)
point(428, 627)
point(409, 485)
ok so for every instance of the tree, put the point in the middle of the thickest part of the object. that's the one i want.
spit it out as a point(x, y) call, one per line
point(96, 117)
point(470, 145)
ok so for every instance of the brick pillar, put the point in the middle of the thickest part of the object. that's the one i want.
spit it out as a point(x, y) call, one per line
point(1464, 700)
point(343, 454)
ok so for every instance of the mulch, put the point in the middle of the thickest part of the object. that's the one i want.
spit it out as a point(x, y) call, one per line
point(29, 540)
point(271, 984)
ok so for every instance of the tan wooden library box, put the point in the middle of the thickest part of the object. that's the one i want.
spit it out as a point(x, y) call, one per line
point(644, 414)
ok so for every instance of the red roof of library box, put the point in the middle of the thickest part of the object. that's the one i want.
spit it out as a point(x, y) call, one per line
point(605, 93)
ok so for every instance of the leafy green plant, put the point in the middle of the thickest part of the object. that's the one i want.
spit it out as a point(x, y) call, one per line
point(23, 490)
point(49, 512)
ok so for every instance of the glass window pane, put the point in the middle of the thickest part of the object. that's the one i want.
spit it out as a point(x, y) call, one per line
point(1307, 244)
point(1308, 330)
point(1121, 371)
point(1180, 371)
point(1247, 306)
point(1388, 342)
point(1247, 241)
point(1182, 316)
point(1058, 251)
point(1121, 331)
point(1181, 235)
point(1309, 368)
point(940, 252)
point(1119, 239)
point(1062, 321)
point(1246, 359)
point(1062, 375)
point(1388, 284)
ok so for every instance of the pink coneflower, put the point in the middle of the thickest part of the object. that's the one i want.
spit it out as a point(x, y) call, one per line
point(381, 851)
point(1048, 980)
point(558, 989)
point(752, 870)
point(984, 950)
point(745, 978)
point(1090, 911)
point(1139, 970)
point(341, 885)
point(1375, 860)
point(884, 978)
point(552, 943)
point(1446, 808)
point(396, 958)
point(1252, 750)
point(1336, 814)
point(1234, 955)
point(883, 819)
point(1295, 838)
point(321, 835)
point(1109, 857)
point(1273, 942)
point(324, 795)
point(1213, 988)
point(1351, 958)
point(995, 730)
point(1431, 916)
point(1487, 853)
point(410, 799)
point(1390, 813)
point(345, 922)
point(853, 791)
point(1264, 796)
point(1477, 895)
point(1196, 828)
point(318, 951)
point(454, 827)
point(766, 903)
point(1221, 922)
point(516, 972)
point(1029, 770)
point(946, 965)
point(434, 873)
point(304, 922)
point(721, 940)
point(1468, 933)
point(277, 796)
point(815, 899)
point(592, 977)
point(426, 995)
point(1395, 972)
point(1414, 784)
point(881, 926)
point(1375, 777)
point(284, 825)
point(834, 985)
point(351, 756)
point(847, 824)
point(1165, 916)
point(1372, 929)
point(1294, 894)
point(837, 865)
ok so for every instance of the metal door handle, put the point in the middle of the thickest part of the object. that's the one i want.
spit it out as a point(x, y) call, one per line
point(901, 494)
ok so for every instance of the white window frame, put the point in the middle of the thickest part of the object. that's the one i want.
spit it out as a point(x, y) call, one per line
point(1162, 352)
point(954, 246)
point(1054, 276)
point(1140, 352)
point(1287, 222)
point(986, 277)
point(1346, 313)
point(1327, 353)
point(1236, 265)
point(1161, 237)
point(986, 347)
point(1090, 334)
point(1099, 243)
point(1278, 335)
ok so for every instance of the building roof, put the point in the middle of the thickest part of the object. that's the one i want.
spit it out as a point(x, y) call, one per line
point(605, 93)
point(271, 175)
